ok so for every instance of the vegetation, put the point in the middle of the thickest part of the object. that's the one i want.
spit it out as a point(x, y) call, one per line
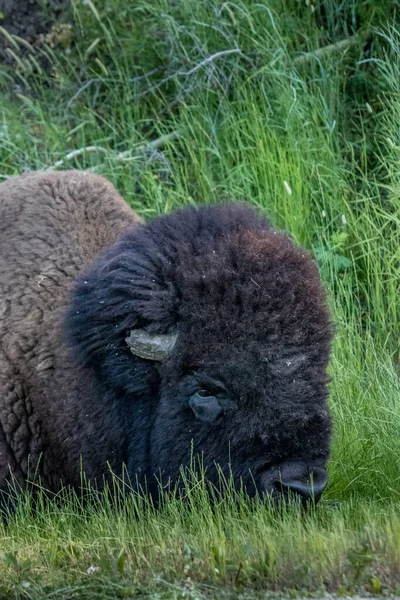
point(295, 107)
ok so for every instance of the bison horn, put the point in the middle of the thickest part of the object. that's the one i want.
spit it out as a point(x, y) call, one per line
point(151, 346)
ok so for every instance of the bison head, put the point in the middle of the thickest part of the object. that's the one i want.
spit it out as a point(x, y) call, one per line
point(210, 333)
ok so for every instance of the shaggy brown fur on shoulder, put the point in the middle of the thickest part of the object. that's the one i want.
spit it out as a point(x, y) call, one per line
point(51, 226)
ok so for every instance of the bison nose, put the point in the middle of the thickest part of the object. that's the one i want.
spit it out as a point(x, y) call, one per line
point(309, 487)
point(298, 479)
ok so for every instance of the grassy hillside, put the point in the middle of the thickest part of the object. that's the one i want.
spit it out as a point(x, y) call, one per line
point(293, 106)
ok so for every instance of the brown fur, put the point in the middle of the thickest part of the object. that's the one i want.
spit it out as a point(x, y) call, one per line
point(51, 225)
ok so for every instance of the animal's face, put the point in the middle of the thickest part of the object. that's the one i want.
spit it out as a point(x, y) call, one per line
point(221, 324)
point(260, 415)
point(245, 385)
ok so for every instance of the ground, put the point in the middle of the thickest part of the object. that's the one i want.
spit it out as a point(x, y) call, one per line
point(28, 19)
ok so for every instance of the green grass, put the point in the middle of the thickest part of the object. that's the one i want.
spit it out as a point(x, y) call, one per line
point(312, 140)
point(189, 550)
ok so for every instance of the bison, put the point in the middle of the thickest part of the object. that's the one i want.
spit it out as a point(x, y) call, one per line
point(131, 345)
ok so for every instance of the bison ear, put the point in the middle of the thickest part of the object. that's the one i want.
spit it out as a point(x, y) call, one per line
point(151, 346)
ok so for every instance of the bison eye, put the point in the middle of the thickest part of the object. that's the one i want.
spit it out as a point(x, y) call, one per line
point(205, 406)
point(204, 393)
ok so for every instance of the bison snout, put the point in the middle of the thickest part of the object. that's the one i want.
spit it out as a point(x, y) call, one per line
point(296, 479)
